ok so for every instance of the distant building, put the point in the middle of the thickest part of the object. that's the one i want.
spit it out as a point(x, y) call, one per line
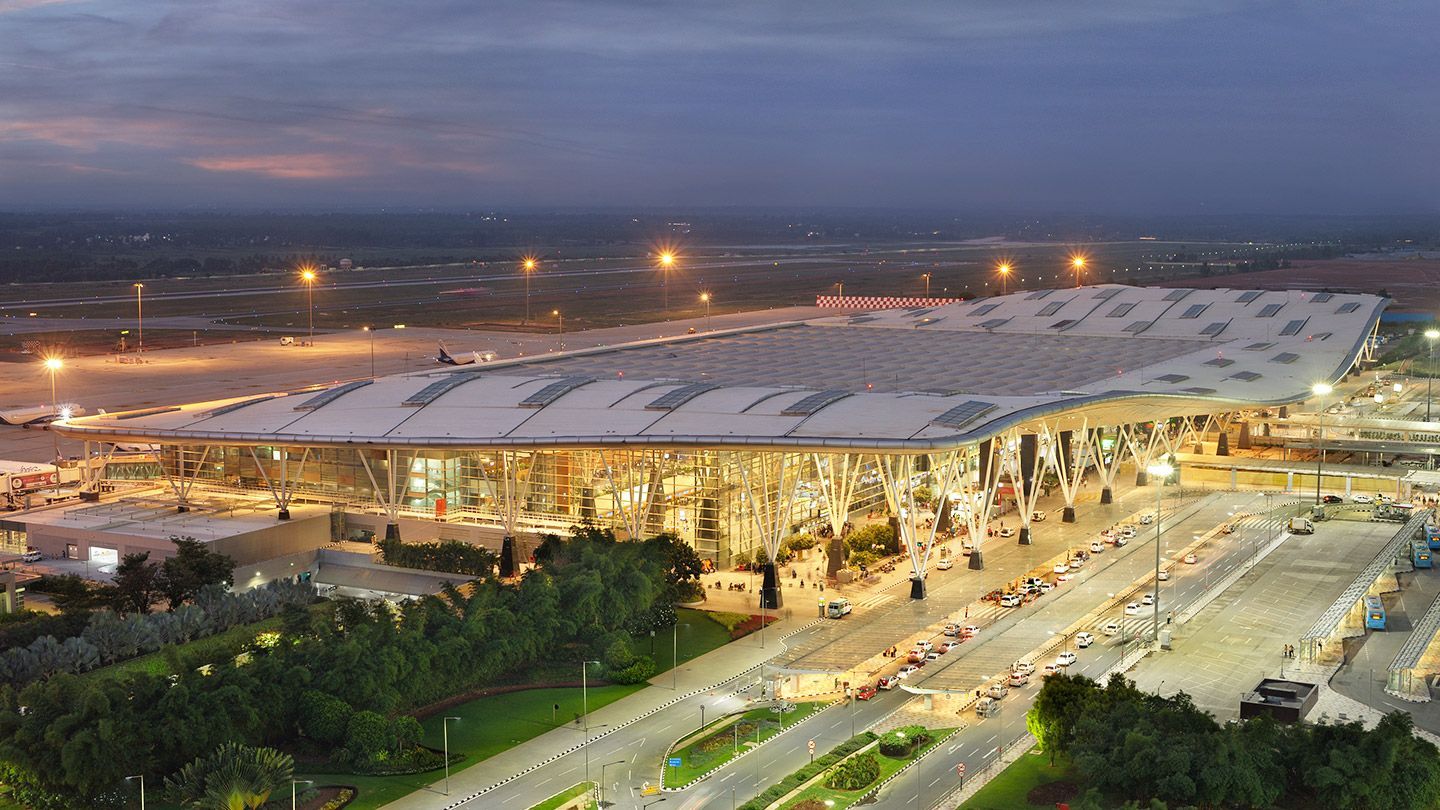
point(346, 264)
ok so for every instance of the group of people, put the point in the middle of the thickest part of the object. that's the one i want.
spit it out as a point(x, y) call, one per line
point(1288, 651)
point(892, 652)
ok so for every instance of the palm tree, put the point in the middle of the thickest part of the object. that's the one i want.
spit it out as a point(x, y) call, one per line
point(234, 777)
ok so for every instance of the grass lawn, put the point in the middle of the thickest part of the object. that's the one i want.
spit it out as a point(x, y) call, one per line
point(716, 745)
point(888, 766)
point(566, 795)
point(1010, 787)
point(210, 647)
point(696, 634)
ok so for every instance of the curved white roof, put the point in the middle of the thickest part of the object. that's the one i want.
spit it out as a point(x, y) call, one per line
point(895, 380)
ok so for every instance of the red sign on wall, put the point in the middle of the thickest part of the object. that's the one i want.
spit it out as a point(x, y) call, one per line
point(20, 483)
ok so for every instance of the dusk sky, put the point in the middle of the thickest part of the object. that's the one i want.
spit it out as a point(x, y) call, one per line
point(1108, 106)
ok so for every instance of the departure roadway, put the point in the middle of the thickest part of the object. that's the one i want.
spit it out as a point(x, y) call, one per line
point(633, 749)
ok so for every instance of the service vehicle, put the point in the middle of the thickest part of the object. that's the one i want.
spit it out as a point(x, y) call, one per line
point(1301, 525)
point(838, 607)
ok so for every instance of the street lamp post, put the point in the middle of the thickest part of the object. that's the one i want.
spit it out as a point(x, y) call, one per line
point(529, 266)
point(445, 733)
point(371, 332)
point(1004, 270)
point(705, 297)
point(295, 795)
point(308, 276)
point(557, 313)
point(1431, 335)
point(53, 365)
point(141, 777)
point(1159, 472)
point(841, 285)
point(603, 766)
point(1078, 263)
point(585, 712)
point(140, 316)
point(926, 276)
point(1321, 391)
point(675, 656)
point(667, 260)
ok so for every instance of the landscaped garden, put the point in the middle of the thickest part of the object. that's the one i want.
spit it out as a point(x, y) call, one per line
point(850, 780)
point(565, 797)
point(731, 736)
point(1030, 781)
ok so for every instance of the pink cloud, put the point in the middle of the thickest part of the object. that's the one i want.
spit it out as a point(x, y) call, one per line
point(313, 166)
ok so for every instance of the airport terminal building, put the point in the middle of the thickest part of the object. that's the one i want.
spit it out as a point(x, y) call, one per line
point(735, 440)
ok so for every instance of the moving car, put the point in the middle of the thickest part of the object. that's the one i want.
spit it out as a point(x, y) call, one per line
point(969, 631)
point(1083, 640)
point(1062, 568)
point(1190, 558)
point(1132, 609)
point(987, 707)
point(1148, 599)
point(1066, 658)
point(907, 670)
point(887, 682)
point(967, 548)
point(947, 646)
point(945, 564)
point(1023, 666)
point(1037, 516)
point(1147, 518)
point(1006, 531)
point(1332, 499)
point(997, 691)
point(1227, 528)
point(1164, 575)
point(865, 692)
point(1111, 628)
point(839, 606)
point(1018, 678)
point(1128, 532)
point(1361, 498)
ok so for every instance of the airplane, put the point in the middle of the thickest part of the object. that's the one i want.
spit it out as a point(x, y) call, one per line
point(39, 415)
point(476, 357)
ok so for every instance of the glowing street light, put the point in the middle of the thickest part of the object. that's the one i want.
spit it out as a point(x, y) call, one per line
point(667, 260)
point(53, 365)
point(1078, 263)
point(1431, 335)
point(529, 267)
point(307, 275)
point(1160, 472)
point(705, 298)
point(1004, 270)
point(557, 313)
point(140, 316)
point(926, 276)
point(1320, 390)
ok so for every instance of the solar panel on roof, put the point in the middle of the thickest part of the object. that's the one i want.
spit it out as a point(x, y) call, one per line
point(432, 392)
point(983, 309)
point(1320, 298)
point(1285, 357)
point(963, 414)
point(815, 402)
point(554, 391)
point(670, 400)
point(329, 395)
point(1245, 376)
point(1107, 293)
point(1215, 328)
point(915, 313)
point(1198, 390)
point(1220, 362)
point(1258, 347)
point(1269, 310)
point(1120, 311)
point(1037, 295)
point(1051, 308)
point(1193, 311)
point(1344, 308)
point(1176, 295)
point(994, 322)
point(1172, 378)
point(862, 319)
point(1068, 322)
point(1248, 296)
point(145, 412)
point(1138, 326)
point(930, 321)
point(1293, 327)
point(235, 406)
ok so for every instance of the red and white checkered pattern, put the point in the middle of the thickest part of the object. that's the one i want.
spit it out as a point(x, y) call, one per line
point(879, 301)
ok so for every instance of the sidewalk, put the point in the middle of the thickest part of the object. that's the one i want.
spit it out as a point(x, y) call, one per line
point(696, 676)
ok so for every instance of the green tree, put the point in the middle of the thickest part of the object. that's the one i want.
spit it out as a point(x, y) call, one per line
point(324, 717)
point(192, 568)
point(234, 777)
point(136, 583)
point(367, 737)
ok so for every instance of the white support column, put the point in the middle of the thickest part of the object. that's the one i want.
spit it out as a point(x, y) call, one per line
point(837, 475)
point(771, 492)
point(980, 499)
point(385, 495)
point(898, 475)
point(1106, 469)
point(180, 483)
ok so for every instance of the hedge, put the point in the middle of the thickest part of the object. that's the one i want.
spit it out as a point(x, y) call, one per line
point(805, 774)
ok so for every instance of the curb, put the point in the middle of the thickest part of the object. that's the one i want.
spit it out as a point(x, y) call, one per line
point(702, 777)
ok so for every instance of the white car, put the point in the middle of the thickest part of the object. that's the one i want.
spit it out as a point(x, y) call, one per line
point(1383, 498)
point(967, 548)
point(31, 556)
point(1077, 562)
point(925, 644)
point(1062, 568)
point(1190, 558)
point(1011, 600)
point(906, 671)
point(1128, 532)
point(1065, 659)
point(1096, 546)
point(1361, 498)
point(1037, 516)
point(1164, 575)
point(1132, 609)
point(969, 631)
point(1147, 518)
point(945, 564)
point(1018, 679)
point(1121, 540)
point(1024, 667)
point(934, 655)
point(1083, 640)
point(1006, 531)
point(1110, 628)
point(952, 629)
point(1148, 599)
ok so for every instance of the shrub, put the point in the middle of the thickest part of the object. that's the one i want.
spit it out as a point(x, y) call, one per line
point(854, 773)
point(729, 621)
point(901, 742)
point(801, 542)
point(324, 718)
point(367, 737)
point(643, 669)
point(808, 772)
point(878, 537)
point(450, 556)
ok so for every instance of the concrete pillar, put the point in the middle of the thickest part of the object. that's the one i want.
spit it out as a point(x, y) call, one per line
point(942, 514)
point(1066, 461)
point(1029, 446)
point(1222, 444)
point(507, 556)
point(1107, 495)
point(769, 587)
point(835, 557)
point(284, 514)
point(976, 562)
point(1244, 442)
point(1289, 482)
point(917, 587)
point(1142, 478)
point(1024, 536)
point(1067, 515)
point(392, 531)
point(986, 450)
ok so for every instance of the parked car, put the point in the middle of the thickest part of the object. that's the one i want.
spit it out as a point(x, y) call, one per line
point(1227, 528)
point(887, 682)
point(1065, 659)
point(925, 644)
point(969, 631)
point(1083, 640)
point(1011, 600)
point(1332, 499)
point(1147, 518)
point(1034, 581)
point(1361, 497)
point(1128, 532)
point(865, 692)
point(1077, 562)
point(1190, 558)
point(908, 670)
point(1132, 609)
point(1037, 516)
point(1062, 568)
point(967, 548)
point(934, 655)
point(951, 629)
point(945, 564)
point(947, 646)
point(32, 556)
point(1121, 540)
point(1096, 547)
point(1006, 531)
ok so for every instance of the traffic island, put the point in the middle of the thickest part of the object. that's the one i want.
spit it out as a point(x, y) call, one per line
point(840, 780)
point(701, 753)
